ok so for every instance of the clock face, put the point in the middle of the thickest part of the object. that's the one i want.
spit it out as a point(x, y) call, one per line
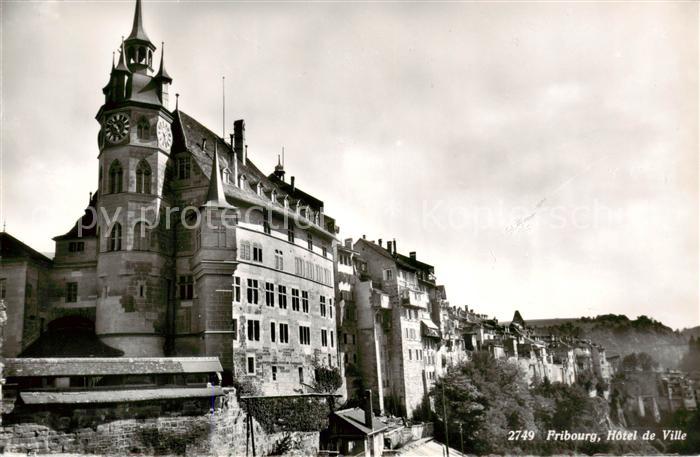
point(165, 135)
point(116, 127)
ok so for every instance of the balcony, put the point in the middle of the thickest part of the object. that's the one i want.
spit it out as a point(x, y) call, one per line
point(380, 300)
point(412, 297)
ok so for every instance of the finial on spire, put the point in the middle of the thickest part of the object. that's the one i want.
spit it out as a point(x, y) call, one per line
point(112, 60)
point(177, 101)
point(137, 30)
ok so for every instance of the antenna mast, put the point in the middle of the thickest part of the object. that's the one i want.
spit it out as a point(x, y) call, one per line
point(223, 107)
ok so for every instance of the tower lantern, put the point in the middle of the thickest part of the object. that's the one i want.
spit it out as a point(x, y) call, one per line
point(139, 49)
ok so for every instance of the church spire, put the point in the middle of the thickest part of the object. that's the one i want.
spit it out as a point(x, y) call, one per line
point(139, 49)
point(215, 195)
point(122, 66)
point(137, 30)
point(162, 72)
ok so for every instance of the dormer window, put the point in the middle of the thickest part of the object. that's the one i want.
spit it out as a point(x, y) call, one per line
point(226, 176)
point(273, 196)
point(259, 189)
point(285, 202)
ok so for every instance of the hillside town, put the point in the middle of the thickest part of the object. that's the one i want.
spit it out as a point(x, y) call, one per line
point(193, 275)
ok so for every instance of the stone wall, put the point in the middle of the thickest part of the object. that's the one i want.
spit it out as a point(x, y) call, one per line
point(221, 433)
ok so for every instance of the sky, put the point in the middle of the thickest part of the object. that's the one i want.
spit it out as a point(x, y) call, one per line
point(542, 156)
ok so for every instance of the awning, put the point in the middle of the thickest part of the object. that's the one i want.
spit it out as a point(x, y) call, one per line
point(118, 396)
point(429, 329)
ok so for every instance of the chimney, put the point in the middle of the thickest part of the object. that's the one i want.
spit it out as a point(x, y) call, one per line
point(239, 139)
point(292, 183)
point(380, 243)
point(234, 164)
point(368, 409)
point(348, 243)
point(412, 254)
point(394, 245)
point(388, 246)
point(364, 237)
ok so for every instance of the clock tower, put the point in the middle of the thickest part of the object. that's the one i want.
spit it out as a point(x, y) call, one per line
point(134, 262)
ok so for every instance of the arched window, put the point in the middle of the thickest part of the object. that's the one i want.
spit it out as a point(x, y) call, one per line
point(141, 237)
point(143, 129)
point(115, 238)
point(226, 176)
point(143, 178)
point(115, 177)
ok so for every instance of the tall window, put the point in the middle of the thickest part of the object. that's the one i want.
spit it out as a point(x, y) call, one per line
point(310, 241)
point(272, 332)
point(274, 373)
point(253, 330)
point(266, 221)
point(269, 294)
point(323, 306)
point(186, 284)
point(71, 292)
point(115, 237)
point(282, 292)
point(236, 289)
point(141, 237)
point(324, 337)
point(299, 266)
point(143, 178)
point(279, 260)
point(251, 364)
point(143, 129)
point(305, 301)
point(116, 175)
point(252, 291)
point(183, 167)
point(301, 375)
point(257, 252)
point(284, 333)
point(304, 335)
point(290, 232)
point(234, 327)
point(295, 299)
point(244, 253)
point(330, 308)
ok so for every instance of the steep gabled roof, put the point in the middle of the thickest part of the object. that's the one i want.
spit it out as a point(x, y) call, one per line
point(12, 248)
point(188, 134)
point(87, 222)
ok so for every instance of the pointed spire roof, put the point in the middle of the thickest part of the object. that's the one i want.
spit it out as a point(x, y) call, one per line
point(122, 66)
point(162, 72)
point(137, 30)
point(215, 195)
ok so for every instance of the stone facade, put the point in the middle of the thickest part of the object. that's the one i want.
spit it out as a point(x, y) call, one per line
point(142, 431)
point(181, 242)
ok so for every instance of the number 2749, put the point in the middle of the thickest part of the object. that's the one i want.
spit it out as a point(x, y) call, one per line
point(522, 435)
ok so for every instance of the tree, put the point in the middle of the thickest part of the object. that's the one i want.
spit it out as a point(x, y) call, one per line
point(489, 398)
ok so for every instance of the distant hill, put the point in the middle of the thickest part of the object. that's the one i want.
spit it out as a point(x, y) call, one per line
point(621, 335)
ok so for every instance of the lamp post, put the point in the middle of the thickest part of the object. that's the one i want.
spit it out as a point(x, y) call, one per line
point(444, 420)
